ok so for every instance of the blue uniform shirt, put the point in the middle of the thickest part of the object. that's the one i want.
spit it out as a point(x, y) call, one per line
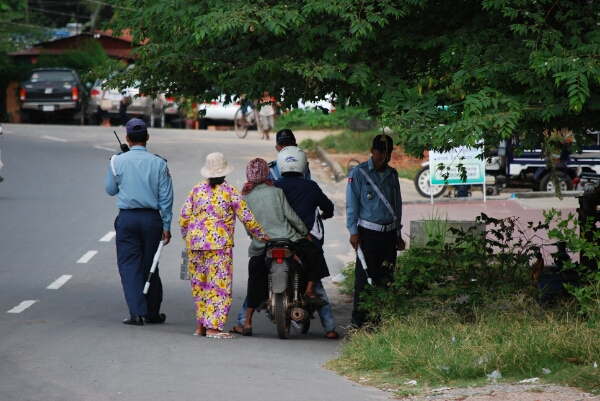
point(274, 171)
point(364, 203)
point(142, 181)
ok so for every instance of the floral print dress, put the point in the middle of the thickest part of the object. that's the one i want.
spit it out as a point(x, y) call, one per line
point(207, 223)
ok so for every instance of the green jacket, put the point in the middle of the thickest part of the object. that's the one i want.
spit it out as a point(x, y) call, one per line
point(275, 215)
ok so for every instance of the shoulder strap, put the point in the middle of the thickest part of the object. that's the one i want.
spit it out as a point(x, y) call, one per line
point(378, 192)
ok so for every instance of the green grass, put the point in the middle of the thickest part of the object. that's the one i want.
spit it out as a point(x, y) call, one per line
point(408, 173)
point(345, 142)
point(315, 119)
point(440, 349)
point(349, 141)
point(346, 287)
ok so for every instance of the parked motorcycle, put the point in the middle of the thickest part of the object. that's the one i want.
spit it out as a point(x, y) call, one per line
point(286, 306)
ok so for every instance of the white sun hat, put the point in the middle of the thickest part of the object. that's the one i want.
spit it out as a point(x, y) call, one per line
point(216, 166)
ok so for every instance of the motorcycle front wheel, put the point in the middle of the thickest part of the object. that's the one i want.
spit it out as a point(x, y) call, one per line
point(282, 316)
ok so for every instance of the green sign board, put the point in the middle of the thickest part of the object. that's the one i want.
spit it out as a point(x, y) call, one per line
point(474, 166)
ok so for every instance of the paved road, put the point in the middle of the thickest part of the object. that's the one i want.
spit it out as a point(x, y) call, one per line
point(57, 252)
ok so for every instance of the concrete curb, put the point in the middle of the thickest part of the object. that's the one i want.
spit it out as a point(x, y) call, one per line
point(335, 167)
point(538, 194)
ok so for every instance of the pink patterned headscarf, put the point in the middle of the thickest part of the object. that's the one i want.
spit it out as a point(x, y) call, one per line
point(257, 172)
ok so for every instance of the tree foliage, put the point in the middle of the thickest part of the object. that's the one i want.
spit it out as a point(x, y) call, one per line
point(442, 73)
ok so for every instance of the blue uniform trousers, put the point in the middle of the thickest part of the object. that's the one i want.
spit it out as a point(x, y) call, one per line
point(380, 254)
point(138, 233)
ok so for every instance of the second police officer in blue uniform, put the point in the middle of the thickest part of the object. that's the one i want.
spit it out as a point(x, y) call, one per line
point(373, 217)
point(142, 183)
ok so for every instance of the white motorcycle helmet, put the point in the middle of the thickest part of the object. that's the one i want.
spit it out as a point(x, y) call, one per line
point(292, 159)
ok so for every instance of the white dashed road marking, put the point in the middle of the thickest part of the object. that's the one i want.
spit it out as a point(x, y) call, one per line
point(108, 236)
point(86, 258)
point(54, 138)
point(21, 307)
point(105, 148)
point(58, 283)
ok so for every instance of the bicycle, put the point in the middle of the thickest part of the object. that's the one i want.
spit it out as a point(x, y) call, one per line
point(247, 118)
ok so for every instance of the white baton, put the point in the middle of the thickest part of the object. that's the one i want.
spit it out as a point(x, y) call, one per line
point(361, 257)
point(154, 264)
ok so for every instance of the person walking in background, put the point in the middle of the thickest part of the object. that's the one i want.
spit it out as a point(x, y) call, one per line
point(267, 114)
point(142, 183)
point(373, 218)
point(124, 102)
point(207, 224)
point(104, 112)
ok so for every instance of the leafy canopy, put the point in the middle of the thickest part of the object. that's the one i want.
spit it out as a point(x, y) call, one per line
point(441, 72)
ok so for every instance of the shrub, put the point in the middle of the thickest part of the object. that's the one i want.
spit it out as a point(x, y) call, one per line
point(463, 271)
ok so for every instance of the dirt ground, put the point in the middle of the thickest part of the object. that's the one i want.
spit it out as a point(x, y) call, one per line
point(507, 392)
point(399, 160)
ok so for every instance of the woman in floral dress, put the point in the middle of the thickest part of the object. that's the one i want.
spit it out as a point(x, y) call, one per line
point(207, 224)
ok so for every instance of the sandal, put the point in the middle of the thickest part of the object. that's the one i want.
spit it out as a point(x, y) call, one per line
point(247, 331)
point(332, 335)
point(202, 332)
point(236, 330)
point(221, 335)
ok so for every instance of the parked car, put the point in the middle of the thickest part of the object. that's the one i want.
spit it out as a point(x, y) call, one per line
point(217, 112)
point(53, 94)
point(320, 104)
point(143, 107)
point(174, 115)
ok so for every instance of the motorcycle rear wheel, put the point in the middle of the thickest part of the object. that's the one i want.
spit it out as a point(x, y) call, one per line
point(282, 316)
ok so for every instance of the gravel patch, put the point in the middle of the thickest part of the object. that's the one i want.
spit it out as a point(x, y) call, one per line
point(506, 392)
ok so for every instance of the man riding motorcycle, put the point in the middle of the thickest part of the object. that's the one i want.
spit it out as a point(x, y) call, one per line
point(306, 198)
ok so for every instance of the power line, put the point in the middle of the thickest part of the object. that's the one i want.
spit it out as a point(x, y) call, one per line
point(58, 12)
point(110, 5)
point(26, 25)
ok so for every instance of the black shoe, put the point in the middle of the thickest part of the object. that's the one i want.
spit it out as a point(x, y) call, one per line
point(156, 320)
point(134, 320)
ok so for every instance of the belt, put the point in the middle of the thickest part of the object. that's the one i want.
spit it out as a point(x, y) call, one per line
point(139, 209)
point(377, 227)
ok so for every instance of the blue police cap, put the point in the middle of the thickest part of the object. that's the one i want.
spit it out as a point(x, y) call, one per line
point(136, 125)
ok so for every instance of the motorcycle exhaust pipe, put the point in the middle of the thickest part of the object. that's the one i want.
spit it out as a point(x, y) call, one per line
point(299, 314)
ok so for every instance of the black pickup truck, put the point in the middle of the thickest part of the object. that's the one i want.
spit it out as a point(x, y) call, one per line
point(53, 94)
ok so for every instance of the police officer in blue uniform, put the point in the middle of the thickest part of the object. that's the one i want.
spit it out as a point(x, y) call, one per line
point(144, 190)
point(373, 217)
